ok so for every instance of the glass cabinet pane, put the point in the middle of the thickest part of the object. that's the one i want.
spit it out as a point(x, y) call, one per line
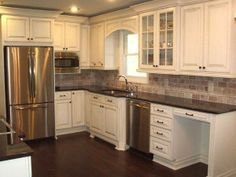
point(166, 38)
point(144, 23)
point(147, 57)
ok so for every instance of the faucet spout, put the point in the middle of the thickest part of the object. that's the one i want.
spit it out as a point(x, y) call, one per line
point(126, 81)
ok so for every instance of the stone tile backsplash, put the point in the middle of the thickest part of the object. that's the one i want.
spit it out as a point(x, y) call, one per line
point(221, 90)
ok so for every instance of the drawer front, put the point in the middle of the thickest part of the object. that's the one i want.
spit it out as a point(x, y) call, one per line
point(97, 97)
point(192, 115)
point(111, 101)
point(63, 95)
point(161, 110)
point(160, 133)
point(162, 122)
point(160, 148)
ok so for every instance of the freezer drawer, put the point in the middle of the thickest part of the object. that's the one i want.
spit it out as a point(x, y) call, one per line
point(33, 121)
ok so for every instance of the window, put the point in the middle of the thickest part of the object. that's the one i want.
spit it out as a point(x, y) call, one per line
point(130, 59)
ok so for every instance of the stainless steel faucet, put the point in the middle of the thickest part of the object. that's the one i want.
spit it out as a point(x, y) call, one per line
point(126, 81)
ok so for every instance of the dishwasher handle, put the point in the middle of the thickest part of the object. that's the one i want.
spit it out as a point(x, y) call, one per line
point(139, 105)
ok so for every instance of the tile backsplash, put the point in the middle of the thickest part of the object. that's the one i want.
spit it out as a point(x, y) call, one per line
point(221, 90)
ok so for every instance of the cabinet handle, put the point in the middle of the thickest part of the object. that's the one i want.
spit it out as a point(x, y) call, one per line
point(159, 133)
point(73, 93)
point(160, 110)
point(187, 114)
point(95, 97)
point(160, 122)
point(110, 101)
point(70, 102)
point(101, 106)
point(62, 95)
point(159, 148)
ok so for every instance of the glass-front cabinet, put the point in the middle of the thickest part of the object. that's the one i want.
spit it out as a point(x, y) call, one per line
point(158, 40)
point(147, 40)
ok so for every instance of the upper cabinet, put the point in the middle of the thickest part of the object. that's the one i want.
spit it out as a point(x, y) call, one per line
point(25, 29)
point(158, 41)
point(205, 44)
point(97, 45)
point(84, 45)
point(67, 36)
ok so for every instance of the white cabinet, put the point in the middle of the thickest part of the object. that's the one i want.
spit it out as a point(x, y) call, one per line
point(63, 111)
point(78, 103)
point(104, 116)
point(158, 40)
point(97, 45)
point(20, 167)
point(97, 117)
point(25, 29)
point(191, 56)
point(67, 36)
point(205, 45)
point(110, 127)
point(84, 46)
point(69, 111)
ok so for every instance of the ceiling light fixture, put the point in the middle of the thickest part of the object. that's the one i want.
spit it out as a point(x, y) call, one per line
point(74, 9)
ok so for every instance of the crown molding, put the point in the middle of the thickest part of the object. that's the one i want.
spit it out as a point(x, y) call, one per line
point(73, 19)
point(29, 12)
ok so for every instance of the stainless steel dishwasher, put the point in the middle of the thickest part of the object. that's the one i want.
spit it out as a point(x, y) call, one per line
point(138, 124)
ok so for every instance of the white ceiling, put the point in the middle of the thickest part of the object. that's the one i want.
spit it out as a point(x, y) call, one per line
point(87, 7)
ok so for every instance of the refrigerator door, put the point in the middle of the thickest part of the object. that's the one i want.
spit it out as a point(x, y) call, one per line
point(29, 75)
point(33, 121)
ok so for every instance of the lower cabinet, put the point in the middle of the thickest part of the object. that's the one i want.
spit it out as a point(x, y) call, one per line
point(69, 111)
point(107, 119)
point(20, 167)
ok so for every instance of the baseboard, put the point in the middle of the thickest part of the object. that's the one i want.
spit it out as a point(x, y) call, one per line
point(178, 164)
point(71, 130)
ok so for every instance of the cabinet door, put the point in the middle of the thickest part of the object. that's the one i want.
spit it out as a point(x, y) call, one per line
point(78, 103)
point(97, 117)
point(72, 36)
point(191, 54)
point(166, 29)
point(59, 35)
point(101, 44)
point(147, 40)
point(84, 47)
point(217, 25)
point(63, 114)
point(87, 109)
point(110, 126)
point(41, 29)
point(97, 45)
point(15, 28)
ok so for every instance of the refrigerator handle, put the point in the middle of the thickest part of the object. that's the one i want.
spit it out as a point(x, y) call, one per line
point(33, 75)
point(30, 74)
point(31, 107)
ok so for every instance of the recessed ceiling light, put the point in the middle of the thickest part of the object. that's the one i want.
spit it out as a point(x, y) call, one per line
point(74, 9)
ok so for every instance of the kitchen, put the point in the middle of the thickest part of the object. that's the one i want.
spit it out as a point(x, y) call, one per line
point(149, 85)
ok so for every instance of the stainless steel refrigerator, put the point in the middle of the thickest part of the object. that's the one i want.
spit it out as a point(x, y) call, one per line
point(29, 76)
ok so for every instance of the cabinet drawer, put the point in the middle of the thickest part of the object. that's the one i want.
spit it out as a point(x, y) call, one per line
point(160, 133)
point(111, 101)
point(62, 95)
point(162, 122)
point(161, 148)
point(161, 110)
point(192, 114)
point(96, 97)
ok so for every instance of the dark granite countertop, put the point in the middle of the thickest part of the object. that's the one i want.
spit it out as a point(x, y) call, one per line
point(196, 105)
point(11, 150)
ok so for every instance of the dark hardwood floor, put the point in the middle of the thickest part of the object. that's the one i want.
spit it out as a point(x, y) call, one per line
point(77, 155)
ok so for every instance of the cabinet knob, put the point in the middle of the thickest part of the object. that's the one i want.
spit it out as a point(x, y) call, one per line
point(203, 67)
point(200, 67)
point(32, 39)
point(66, 48)
point(28, 38)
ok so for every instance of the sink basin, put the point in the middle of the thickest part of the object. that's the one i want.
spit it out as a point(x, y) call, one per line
point(116, 92)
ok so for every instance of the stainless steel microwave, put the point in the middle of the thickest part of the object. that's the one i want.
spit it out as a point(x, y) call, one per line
point(67, 62)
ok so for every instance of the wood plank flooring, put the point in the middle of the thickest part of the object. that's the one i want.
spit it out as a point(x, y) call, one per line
point(77, 155)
